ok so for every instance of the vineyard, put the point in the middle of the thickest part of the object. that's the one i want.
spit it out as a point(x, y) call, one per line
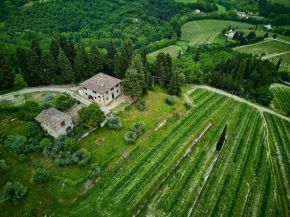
point(282, 98)
point(177, 171)
point(172, 50)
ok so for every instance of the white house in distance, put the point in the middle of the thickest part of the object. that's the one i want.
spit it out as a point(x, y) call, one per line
point(268, 27)
point(55, 122)
point(231, 34)
point(101, 88)
point(197, 11)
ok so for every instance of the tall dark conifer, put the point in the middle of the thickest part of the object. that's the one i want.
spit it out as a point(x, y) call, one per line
point(65, 68)
point(81, 64)
point(96, 61)
point(110, 60)
point(36, 48)
point(278, 64)
point(48, 67)
point(54, 48)
point(71, 50)
point(174, 87)
point(33, 73)
point(6, 74)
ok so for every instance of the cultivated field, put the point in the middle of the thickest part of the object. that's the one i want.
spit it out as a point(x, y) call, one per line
point(281, 99)
point(205, 31)
point(285, 64)
point(172, 50)
point(177, 171)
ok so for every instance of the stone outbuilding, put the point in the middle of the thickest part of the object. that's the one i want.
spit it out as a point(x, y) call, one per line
point(55, 122)
point(101, 88)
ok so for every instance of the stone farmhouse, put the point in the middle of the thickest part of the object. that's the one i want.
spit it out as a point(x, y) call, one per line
point(101, 89)
point(55, 122)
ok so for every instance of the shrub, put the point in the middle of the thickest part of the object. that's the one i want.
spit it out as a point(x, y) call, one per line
point(91, 116)
point(64, 102)
point(138, 128)
point(39, 176)
point(94, 171)
point(44, 142)
point(115, 123)
point(130, 137)
point(45, 106)
point(81, 157)
point(22, 158)
point(76, 132)
point(14, 192)
point(70, 144)
point(3, 167)
point(142, 105)
point(51, 150)
point(32, 130)
point(64, 158)
point(20, 144)
point(28, 111)
point(170, 100)
point(188, 105)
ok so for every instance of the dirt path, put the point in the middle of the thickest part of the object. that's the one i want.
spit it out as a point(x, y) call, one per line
point(274, 55)
point(275, 39)
point(279, 85)
point(260, 108)
point(69, 90)
point(249, 45)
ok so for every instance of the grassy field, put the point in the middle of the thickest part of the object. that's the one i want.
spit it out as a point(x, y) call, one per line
point(205, 31)
point(283, 2)
point(281, 99)
point(222, 9)
point(176, 170)
point(264, 48)
point(173, 51)
point(285, 64)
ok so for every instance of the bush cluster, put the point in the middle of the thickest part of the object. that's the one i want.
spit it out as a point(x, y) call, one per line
point(39, 176)
point(136, 130)
point(94, 171)
point(81, 157)
point(187, 105)
point(20, 144)
point(115, 123)
point(142, 105)
point(3, 167)
point(14, 192)
point(170, 100)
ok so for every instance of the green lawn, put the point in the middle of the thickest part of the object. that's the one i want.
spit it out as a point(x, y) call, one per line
point(222, 9)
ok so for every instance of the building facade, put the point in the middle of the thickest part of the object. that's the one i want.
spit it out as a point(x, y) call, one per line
point(101, 89)
point(55, 122)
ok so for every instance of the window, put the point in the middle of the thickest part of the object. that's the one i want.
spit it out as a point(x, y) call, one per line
point(95, 97)
point(117, 85)
point(85, 88)
point(117, 91)
point(107, 98)
point(112, 89)
point(99, 97)
point(62, 123)
point(107, 92)
point(94, 92)
point(86, 93)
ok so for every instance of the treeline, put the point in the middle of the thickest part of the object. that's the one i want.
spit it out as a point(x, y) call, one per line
point(248, 39)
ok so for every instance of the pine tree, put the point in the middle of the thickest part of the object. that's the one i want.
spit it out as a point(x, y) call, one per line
point(168, 73)
point(160, 67)
point(63, 43)
point(278, 64)
point(21, 60)
point(96, 61)
point(6, 74)
point(49, 67)
point(35, 47)
point(221, 139)
point(54, 48)
point(146, 73)
point(65, 68)
point(71, 50)
point(81, 66)
point(175, 85)
point(138, 66)
point(33, 73)
point(117, 67)
point(266, 35)
point(110, 60)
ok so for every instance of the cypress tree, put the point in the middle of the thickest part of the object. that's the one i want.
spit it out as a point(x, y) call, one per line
point(278, 64)
point(146, 73)
point(175, 85)
point(6, 74)
point(138, 66)
point(160, 67)
point(110, 60)
point(33, 73)
point(65, 68)
point(63, 43)
point(71, 50)
point(96, 61)
point(81, 66)
point(49, 67)
point(54, 48)
point(21, 60)
point(196, 58)
point(124, 61)
point(117, 67)
point(169, 67)
point(131, 84)
point(221, 139)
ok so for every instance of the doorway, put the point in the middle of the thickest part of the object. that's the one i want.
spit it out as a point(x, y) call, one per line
point(113, 96)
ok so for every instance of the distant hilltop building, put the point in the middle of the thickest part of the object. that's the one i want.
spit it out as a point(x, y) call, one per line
point(268, 27)
point(197, 11)
point(231, 34)
point(55, 122)
point(101, 88)
point(242, 14)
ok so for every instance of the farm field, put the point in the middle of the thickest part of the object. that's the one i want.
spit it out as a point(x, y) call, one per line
point(186, 1)
point(205, 31)
point(283, 2)
point(281, 99)
point(265, 48)
point(177, 171)
point(172, 50)
point(285, 64)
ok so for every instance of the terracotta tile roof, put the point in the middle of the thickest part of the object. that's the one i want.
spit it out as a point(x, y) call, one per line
point(101, 83)
point(52, 118)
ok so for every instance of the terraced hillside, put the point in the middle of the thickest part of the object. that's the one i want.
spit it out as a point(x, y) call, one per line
point(178, 172)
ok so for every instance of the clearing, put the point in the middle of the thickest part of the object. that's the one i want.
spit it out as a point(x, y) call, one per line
point(172, 50)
